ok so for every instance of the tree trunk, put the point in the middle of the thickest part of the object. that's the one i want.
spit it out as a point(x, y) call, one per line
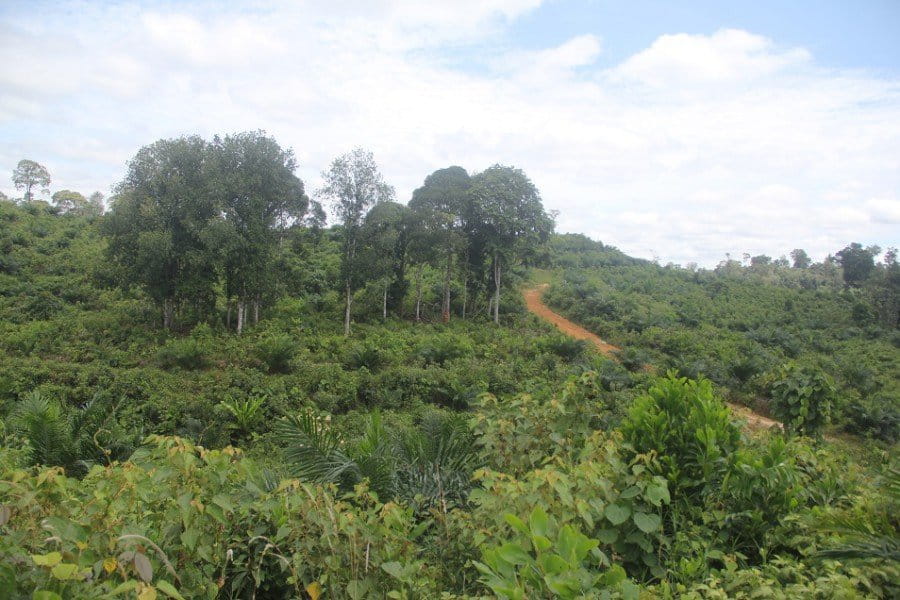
point(418, 293)
point(256, 310)
point(448, 270)
point(168, 314)
point(349, 300)
point(496, 289)
point(384, 302)
point(228, 316)
point(240, 317)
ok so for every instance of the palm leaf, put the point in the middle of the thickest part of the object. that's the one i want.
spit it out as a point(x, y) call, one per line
point(314, 449)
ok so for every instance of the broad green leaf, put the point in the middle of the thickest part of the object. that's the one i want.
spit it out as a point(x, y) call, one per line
point(647, 522)
point(64, 571)
point(630, 492)
point(538, 521)
point(393, 568)
point(516, 523)
point(513, 554)
point(47, 560)
point(657, 494)
point(617, 513)
point(168, 589)
point(607, 536)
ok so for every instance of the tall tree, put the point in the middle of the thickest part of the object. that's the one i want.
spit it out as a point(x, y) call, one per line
point(443, 201)
point(857, 262)
point(29, 174)
point(253, 181)
point(352, 186)
point(384, 238)
point(513, 218)
point(158, 225)
point(95, 205)
point(801, 258)
point(69, 201)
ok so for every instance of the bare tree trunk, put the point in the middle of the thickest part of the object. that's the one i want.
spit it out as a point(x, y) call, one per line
point(347, 311)
point(418, 293)
point(256, 310)
point(240, 316)
point(228, 316)
point(465, 295)
point(384, 302)
point(168, 314)
point(448, 270)
point(496, 289)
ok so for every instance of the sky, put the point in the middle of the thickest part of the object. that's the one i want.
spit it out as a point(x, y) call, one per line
point(679, 131)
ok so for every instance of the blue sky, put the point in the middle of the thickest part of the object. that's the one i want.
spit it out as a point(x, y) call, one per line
point(683, 130)
point(841, 34)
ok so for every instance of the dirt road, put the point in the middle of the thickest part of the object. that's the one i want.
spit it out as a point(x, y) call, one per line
point(536, 305)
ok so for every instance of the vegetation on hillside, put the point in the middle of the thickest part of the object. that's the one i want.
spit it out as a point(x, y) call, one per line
point(183, 413)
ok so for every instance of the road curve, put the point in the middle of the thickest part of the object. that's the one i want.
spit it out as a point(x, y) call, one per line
point(536, 305)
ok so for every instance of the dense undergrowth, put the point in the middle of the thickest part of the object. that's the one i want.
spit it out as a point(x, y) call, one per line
point(420, 460)
point(749, 330)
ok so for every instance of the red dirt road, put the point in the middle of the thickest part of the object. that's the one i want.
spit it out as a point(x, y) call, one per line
point(536, 305)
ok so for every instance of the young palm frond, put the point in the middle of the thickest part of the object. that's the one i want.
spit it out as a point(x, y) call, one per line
point(861, 540)
point(436, 461)
point(48, 432)
point(315, 450)
point(376, 458)
point(247, 414)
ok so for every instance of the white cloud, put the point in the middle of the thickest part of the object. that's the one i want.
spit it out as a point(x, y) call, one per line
point(728, 56)
point(697, 146)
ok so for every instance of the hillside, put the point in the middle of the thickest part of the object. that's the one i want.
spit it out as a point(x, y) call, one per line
point(417, 458)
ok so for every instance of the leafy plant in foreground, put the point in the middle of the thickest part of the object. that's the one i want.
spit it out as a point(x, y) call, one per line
point(548, 561)
point(802, 398)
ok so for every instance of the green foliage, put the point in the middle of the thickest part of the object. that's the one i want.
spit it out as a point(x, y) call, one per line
point(567, 348)
point(71, 438)
point(276, 352)
point(194, 522)
point(802, 398)
point(439, 349)
point(690, 431)
point(247, 414)
point(186, 353)
point(429, 465)
point(548, 561)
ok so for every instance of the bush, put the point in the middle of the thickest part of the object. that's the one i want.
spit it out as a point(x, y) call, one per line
point(802, 398)
point(441, 348)
point(567, 348)
point(878, 418)
point(689, 429)
point(276, 352)
point(187, 353)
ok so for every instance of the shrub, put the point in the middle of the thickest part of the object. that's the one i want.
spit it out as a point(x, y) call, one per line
point(545, 560)
point(567, 348)
point(802, 398)
point(186, 353)
point(366, 354)
point(441, 348)
point(688, 428)
point(276, 352)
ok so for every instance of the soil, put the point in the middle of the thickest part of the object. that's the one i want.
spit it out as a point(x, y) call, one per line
point(535, 305)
